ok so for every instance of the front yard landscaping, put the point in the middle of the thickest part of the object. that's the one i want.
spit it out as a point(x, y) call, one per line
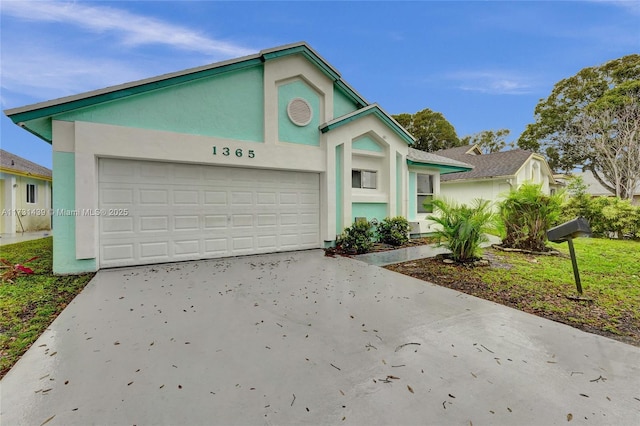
point(31, 302)
point(609, 271)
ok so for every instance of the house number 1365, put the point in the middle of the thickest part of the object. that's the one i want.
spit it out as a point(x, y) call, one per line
point(226, 151)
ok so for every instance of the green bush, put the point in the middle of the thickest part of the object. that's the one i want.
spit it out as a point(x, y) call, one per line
point(527, 213)
point(358, 238)
point(394, 231)
point(607, 216)
point(463, 228)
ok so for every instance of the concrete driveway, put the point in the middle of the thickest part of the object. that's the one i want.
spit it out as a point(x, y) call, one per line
point(299, 338)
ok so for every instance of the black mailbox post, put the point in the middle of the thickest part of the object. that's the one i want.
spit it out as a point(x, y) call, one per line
point(578, 227)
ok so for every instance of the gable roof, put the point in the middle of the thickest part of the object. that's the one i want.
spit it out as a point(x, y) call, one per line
point(45, 110)
point(460, 151)
point(11, 163)
point(496, 164)
point(371, 109)
point(446, 165)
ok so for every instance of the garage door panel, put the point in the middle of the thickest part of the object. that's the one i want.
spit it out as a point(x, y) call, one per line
point(185, 197)
point(241, 221)
point(112, 170)
point(216, 246)
point(288, 219)
point(268, 242)
point(215, 198)
point(290, 198)
point(156, 196)
point(118, 225)
point(289, 240)
point(186, 223)
point(242, 244)
point(267, 199)
point(117, 196)
point(182, 211)
point(157, 171)
point(309, 199)
point(154, 224)
point(117, 252)
point(154, 250)
point(187, 247)
point(309, 218)
point(217, 222)
point(270, 220)
point(241, 198)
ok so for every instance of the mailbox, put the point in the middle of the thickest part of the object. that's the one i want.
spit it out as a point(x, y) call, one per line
point(578, 227)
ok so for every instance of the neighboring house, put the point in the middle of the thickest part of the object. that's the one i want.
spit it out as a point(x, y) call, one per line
point(594, 188)
point(269, 152)
point(25, 195)
point(494, 174)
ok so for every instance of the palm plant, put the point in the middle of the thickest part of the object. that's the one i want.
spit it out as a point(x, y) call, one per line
point(527, 214)
point(463, 228)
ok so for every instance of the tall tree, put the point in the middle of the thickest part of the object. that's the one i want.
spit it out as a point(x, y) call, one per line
point(609, 130)
point(488, 140)
point(574, 126)
point(431, 129)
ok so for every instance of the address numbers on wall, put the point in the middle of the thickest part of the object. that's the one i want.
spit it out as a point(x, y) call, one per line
point(228, 152)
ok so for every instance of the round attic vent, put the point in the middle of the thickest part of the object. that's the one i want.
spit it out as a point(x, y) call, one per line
point(299, 111)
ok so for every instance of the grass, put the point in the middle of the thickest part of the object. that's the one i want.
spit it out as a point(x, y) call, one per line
point(32, 302)
point(609, 271)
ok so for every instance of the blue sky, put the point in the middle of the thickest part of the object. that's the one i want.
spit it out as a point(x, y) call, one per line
point(484, 65)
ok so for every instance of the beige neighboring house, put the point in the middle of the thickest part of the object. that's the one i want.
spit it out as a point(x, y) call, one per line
point(25, 195)
point(493, 175)
point(594, 188)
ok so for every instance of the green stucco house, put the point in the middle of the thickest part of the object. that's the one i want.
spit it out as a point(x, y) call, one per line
point(269, 152)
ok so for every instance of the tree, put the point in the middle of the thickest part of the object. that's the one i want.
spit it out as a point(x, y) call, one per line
point(488, 140)
point(432, 131)
point(591, 120)
point(610, 128)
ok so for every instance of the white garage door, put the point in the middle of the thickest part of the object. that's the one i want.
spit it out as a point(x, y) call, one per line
point(185, 212)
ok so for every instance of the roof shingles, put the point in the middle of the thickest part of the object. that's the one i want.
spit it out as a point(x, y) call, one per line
point(497, 164)
point(11, 162)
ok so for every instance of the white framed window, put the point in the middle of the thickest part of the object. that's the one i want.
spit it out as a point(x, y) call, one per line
point(32, 193)
point(365, 179)
point(424, 193)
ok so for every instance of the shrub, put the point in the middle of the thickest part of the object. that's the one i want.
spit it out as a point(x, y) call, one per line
point(394, 231)
point(358, 238)
point(607, 216)
point(527, 213)
point(463, 228)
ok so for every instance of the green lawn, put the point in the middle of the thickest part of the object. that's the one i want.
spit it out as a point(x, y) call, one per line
point(32, 302)
point(609, 271)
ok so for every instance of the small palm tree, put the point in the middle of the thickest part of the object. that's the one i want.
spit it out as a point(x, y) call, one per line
point(463, 228)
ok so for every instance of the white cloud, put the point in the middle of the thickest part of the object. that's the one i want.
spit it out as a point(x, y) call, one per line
point(493, 82)
point(46, 74)
point(134, 30)
point(39, 63)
